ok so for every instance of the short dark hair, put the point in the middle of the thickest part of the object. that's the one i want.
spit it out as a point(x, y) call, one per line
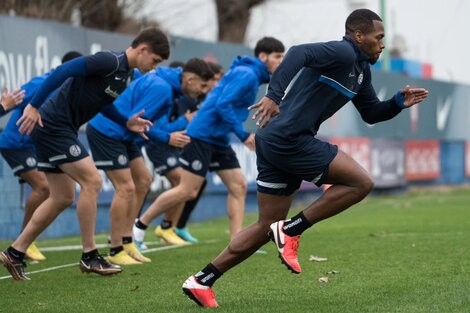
point(176, 64)
point(70, 56)
point(198, 67)
point(215, 67)
point(361, 20)
point(268, 45)
point(156, 39)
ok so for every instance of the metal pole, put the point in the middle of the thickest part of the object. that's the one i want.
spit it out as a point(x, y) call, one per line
point(385, 54)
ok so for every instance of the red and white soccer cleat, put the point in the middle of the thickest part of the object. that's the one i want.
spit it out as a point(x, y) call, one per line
point(287, 246)
point(202, 295)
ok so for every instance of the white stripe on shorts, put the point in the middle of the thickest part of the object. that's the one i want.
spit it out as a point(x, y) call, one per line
point(58, 157)
point(103, 163)
point(271, 185)
point(183, 161)
point(161, 168)
point(18, 168)
point(47, 165)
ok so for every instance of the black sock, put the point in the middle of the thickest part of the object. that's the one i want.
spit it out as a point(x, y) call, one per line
point(90, 254)
point(140, 225)
point(17, 255)
point(126, 240)
point(189, 207)
point(208, 275)
point(296, 225)
point(115, 250)
point(165, 224)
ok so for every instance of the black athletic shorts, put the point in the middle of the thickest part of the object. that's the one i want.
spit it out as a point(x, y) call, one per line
point(55, 146)
point(109, 153)
point(164, 157)
point(20, 160)
point(199, 157)
point(283, 165)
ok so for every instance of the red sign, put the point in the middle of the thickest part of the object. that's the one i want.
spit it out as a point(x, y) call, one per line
point(467, 158)
point(357, 148)
point(423, 161)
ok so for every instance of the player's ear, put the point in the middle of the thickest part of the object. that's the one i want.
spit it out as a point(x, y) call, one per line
point(142, 48)
point(263, 56)
point(358, 36)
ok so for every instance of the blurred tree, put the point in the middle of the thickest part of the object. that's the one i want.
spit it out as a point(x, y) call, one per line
point(233, 17)
point(111, 15)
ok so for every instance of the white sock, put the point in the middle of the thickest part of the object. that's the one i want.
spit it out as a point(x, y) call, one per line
point(138, 233)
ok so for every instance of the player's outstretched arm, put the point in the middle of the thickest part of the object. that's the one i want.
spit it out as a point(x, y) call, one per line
point(139, 125)
point(11, 100)
point(267, 108)
point(412, 96)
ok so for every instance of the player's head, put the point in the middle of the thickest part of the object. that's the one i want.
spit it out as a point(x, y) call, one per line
point(270, 51)
point(70, 56)
point(195, 78)
point(176, 64)
point(150, 47)
point(367, 30)
point(218, 71)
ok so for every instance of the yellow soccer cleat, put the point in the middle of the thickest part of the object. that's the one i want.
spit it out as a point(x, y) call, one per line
point(33, 253)
point(169, 236)
point(132, 251)
point(122, 258)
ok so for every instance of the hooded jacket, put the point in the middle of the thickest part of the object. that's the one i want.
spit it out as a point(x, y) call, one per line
point(225, 108)
point(153, 92)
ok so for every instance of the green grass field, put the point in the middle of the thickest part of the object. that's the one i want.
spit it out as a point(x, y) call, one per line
point(405, 253)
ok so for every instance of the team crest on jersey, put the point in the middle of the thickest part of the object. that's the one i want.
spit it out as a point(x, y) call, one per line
point(360, 78)
point(31, 162)
point(122, 159)
point(171, 161)
point(196, 165)
point(75, 150)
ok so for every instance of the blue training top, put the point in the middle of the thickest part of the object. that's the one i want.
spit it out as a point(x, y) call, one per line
point(333, 73)
point(11, 138)
point(225, 108)
point(153, 92)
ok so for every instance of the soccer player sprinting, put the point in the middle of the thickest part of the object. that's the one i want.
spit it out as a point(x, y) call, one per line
point(287, 151)
point(19, 152)
point(222, 112)
point(115, 151)
point(89, 86)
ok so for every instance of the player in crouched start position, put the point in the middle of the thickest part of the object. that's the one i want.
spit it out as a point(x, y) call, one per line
point(89, 85)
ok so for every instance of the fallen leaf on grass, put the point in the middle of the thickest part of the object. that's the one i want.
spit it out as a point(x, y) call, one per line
point(333, 272)
point(323, 279)
point(315, 258)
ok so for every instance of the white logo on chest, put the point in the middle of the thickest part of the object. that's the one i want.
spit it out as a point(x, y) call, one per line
point(360, 78)
point(111, 92)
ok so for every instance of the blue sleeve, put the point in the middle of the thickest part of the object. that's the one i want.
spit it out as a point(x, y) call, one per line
point(111, 112)
point(157, 134)
point(315, 55)
point(373, 110)
point(163, 128)
point(230, 95)
point(157, 131)
point(73, 68)
point(179, 124)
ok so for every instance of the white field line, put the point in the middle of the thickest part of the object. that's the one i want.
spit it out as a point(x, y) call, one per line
point(79, 247)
